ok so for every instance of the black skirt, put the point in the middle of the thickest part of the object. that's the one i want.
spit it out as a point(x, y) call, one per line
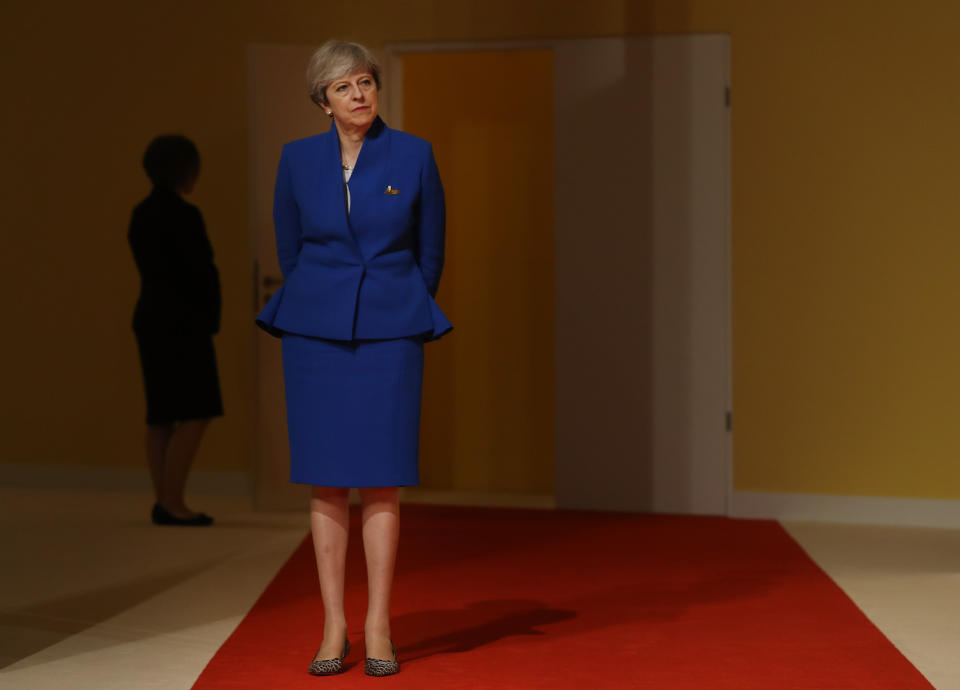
point(180, 377)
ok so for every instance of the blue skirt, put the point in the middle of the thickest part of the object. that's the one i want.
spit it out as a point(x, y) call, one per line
point(353, 410)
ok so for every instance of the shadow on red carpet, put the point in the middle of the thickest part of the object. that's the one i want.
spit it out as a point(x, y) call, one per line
point(488, 598)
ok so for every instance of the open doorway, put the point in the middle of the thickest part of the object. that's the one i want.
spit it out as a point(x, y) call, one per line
point(488, 389)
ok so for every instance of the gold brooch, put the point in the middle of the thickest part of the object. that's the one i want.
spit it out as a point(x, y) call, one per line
point(391, 190)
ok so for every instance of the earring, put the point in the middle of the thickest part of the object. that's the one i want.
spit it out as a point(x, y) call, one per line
point(330, 113)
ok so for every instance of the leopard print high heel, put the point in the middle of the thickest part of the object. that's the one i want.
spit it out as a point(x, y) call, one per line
point(382, 667)
point(330, 667)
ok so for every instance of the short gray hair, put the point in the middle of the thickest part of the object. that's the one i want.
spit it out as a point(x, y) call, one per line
point(336, 59)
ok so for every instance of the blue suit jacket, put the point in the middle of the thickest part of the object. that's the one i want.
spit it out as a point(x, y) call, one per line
point(373, 273)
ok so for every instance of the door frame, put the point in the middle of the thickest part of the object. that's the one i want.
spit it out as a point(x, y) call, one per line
point(392, 59)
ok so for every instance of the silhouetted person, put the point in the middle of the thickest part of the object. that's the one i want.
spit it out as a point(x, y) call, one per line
point(174, 321)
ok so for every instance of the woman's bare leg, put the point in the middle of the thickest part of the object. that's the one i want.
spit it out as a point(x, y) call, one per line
point(330, 526)
point(381, 531)
point(157, 440)
point(181, 450)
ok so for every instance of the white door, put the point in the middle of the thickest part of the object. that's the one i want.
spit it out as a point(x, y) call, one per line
point(642, 274)
point(279, 111)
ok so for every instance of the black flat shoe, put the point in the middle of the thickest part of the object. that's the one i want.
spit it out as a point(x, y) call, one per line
point(382, 667)
point(330, 667)
point(162, 516)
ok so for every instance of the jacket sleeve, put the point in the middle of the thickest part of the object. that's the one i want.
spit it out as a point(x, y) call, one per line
point(200, 280)
point(211, 282)
point(286, 217)
point(432, 230)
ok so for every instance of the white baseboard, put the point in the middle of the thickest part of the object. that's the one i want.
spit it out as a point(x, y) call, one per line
point(865, 510)
point(42, 476)
point(225, 483)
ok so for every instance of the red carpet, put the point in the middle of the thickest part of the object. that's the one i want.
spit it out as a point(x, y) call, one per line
point(500, 599)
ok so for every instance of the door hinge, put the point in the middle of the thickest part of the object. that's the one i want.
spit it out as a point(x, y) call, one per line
point(729, 420)
point(726, 96)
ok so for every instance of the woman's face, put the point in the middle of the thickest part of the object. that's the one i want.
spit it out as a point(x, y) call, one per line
point(354, 100)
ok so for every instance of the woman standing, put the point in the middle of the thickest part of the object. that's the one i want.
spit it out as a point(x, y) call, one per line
point(175, 318)
point(359, 219)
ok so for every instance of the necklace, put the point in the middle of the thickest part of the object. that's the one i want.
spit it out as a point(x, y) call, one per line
point(347, 167)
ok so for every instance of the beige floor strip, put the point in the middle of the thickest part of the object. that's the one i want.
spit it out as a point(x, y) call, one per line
point(96, 597)
point(907, 582)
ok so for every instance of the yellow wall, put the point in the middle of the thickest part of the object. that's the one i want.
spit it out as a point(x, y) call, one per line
point(845, 239)
point(844, 219)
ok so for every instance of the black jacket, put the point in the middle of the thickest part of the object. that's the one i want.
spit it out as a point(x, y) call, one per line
point(179, 283)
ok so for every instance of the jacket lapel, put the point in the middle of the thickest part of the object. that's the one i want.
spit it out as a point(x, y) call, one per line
point(366, 180)
point(331, 178)
point(370, 163)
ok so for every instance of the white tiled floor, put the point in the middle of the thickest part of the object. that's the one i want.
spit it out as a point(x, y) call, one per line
point(93, 596)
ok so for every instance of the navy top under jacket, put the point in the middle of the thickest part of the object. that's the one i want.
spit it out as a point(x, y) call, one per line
point(179, 283)
point(371, 274)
